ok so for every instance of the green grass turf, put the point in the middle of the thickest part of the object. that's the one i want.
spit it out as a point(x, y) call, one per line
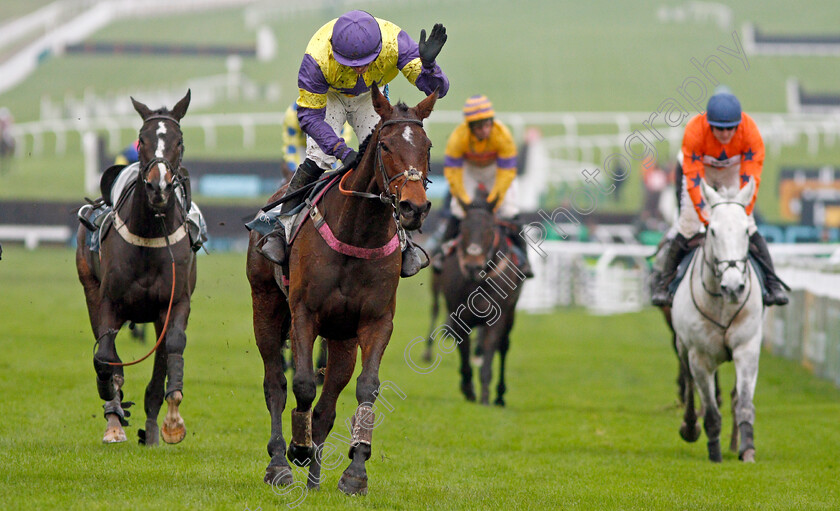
point(591, 421)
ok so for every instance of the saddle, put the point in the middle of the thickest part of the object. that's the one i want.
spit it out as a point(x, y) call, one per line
point(115, 184)
point(697, 242)
point(266, 222)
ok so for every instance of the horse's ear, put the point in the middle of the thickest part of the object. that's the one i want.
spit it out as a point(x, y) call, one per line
point(380, 102)
point(424, 108)
point(711, 197)
point(141, 109)
point(745, 195)
point(180, 109)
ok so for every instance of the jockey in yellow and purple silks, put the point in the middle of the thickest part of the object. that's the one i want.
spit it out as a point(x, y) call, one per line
point(343, 60)
point(724, 147)
point(481, 152)
point(294, 139)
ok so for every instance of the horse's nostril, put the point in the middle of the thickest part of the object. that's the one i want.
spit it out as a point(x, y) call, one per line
point(408, 208)
point(428, 207)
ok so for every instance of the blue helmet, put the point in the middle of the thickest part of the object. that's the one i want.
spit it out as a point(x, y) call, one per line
point(723, 110)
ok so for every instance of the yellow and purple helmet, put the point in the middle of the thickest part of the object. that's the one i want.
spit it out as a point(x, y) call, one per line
point(478, 108)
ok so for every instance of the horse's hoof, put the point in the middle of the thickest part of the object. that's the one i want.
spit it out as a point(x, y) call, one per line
point(300, 455)
point(173, 433)
point(278, 475)
point(748, 456)
point(468, 392)
point(690, 435)
point(352, 485)
point(485, 399)
point(715, 455)
point(114, 436)
point(499, 402)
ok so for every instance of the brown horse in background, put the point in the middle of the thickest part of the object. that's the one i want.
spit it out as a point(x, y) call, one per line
point(481, 286)
point(349, 300)
point(144, 272)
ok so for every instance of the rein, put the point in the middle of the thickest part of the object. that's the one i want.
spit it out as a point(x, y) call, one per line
point(168, 311)
point(711, 293)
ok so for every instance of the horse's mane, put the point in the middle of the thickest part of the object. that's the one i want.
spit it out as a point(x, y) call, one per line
point(402, 107)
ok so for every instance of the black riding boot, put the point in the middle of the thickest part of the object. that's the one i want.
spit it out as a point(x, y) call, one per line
point(450, 230)
point(274, 246)
point(519, 242)
point(775, 294)
point(677, 249)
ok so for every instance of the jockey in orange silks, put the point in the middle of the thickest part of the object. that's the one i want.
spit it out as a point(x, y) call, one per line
point(724, 147)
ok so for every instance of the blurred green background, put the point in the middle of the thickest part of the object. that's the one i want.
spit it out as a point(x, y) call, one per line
point(527, 56)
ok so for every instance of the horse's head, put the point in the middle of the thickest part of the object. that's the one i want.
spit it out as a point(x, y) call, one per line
point(479, 236)
point(728, 237)
point(161, 147)
point(402, 155)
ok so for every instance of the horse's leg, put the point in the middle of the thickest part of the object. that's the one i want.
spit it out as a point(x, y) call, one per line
point(466, 368)
point(501, 388)
point(703, 370)
point(154, 395)
point(270, 317)
point(373, 339)
point(489, 343)
point(109, 378)
point(689, 431)
point(321, 364)
point(173, 429)
point(733, 441)
point(340, 365)
point(427, 355)
point(301, 451)
point(745, 358)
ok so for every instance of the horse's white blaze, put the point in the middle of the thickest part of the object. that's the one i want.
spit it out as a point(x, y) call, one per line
point(474, 249)
point(407, 135)
point(161, 146)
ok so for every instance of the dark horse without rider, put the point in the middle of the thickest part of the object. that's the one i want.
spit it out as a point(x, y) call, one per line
point(343, 287)
point(145, 271)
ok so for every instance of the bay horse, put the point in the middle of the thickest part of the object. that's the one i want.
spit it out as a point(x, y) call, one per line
point(481, 286)
point(145, 271)
point(717, 317)
point(343, 289)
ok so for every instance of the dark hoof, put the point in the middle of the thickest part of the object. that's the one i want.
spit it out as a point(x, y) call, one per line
point(301, 455)
point(748, 456)
point(278, 475)
point(468, 392)
point(715, 455)
point(499, 402)
point(690, 434)
point(352, 485)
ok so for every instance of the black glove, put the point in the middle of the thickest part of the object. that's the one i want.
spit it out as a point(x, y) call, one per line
point(351, 160)
point(429, 49)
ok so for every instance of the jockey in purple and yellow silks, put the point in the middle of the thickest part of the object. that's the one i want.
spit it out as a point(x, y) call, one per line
point(343, 60)
point(294, 139)
point(724, 147)
point(481, 152)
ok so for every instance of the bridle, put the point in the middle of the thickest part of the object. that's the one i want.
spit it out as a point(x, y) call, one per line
point(178, 176)
point(388, 196)
point(718, 267)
